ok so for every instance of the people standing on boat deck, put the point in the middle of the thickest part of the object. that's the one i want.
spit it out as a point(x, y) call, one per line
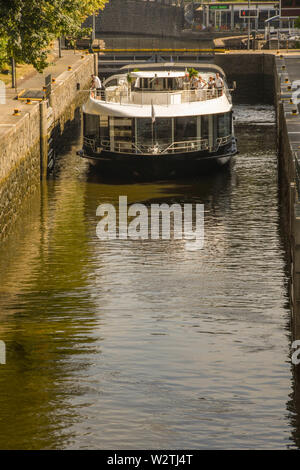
point(201, 83)
point(211, 83)
point(219, 84)
point(186, 80)
point(194, 83)
point(96, 84)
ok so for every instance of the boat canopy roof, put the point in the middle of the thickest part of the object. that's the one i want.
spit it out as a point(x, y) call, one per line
point(198, 108)
point(158, 74)
point(174, 67)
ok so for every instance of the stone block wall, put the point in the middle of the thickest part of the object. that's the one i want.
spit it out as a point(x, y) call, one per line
point(21, 144)
point(253, 74)
point(161, 18)
point(19, 167)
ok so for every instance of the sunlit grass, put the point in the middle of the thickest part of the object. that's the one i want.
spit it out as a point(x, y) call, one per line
point(23, 70)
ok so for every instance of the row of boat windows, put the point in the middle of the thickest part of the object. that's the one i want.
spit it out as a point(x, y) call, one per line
point(163, 130)
point(152, 84)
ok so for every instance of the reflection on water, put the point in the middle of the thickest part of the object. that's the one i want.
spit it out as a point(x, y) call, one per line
point(129, 344)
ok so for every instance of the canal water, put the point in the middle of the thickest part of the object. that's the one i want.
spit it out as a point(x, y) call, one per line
point(143, 344)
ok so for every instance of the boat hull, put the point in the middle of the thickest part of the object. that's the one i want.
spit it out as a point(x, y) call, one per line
point(168, 165)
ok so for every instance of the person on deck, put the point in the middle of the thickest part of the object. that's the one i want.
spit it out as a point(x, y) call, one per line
point(201, 83)
point(211, 83)
point(219, 84)
point(96, 84)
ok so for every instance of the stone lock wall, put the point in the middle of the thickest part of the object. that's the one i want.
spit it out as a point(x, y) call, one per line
point(253, 74)
point(24, 142)
point(162, 18)
point(19, 168)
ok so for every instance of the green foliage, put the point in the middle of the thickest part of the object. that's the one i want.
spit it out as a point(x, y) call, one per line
point(297, 22)
point(28, 26)
point(193, 73)
point(130, 78)
point(3, 55)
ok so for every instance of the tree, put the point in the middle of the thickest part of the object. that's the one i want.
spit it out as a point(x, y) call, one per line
point(28, 26)
point(193, 73)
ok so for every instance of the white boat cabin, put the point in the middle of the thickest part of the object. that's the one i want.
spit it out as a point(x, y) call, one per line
point(158, 111)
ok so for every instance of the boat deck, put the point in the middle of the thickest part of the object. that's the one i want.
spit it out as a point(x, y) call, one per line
point(122, 95)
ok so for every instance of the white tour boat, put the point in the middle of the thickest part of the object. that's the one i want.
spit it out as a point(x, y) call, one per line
point(154, 121)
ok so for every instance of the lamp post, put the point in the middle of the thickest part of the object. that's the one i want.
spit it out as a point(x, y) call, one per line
point(59, 47)
point(13, 73)
point(94, 28)
point(279, 24)
point(248, 46)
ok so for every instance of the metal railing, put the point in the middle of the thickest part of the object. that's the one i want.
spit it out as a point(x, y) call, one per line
point(155, 147)
point(224, 140)
point(151, 149)
point(88, 142)
point(139, 98)
point(187, 146)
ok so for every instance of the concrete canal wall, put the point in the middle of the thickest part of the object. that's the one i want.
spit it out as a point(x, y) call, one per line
point(286, 71)
point(25, 140)
point(271, 78)
point(253, 73)
point(19, 166)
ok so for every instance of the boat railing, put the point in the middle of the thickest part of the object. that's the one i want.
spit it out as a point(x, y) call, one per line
point(123, 147)
point(224, 140)
point(88, 142)
point(187, 145)
point(155, 148)
point(127, 97)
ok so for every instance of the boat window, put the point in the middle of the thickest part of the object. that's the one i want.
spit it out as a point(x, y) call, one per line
point(171, 84)
point(224, 124)
point(91, 125)
point(163, 131)
point(113, 82)
point(144, 131)
point(185, 128)
point(121, 129)
point(159, 133)
point(159, 84)
point(104, 128)
point(204, 127)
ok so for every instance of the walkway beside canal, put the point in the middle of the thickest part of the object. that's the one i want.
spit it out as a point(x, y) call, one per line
point(26, 136)
point(287, 82)
point(58, 70)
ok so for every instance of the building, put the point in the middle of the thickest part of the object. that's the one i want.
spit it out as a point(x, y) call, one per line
point(230, 16)
point(290, 8)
